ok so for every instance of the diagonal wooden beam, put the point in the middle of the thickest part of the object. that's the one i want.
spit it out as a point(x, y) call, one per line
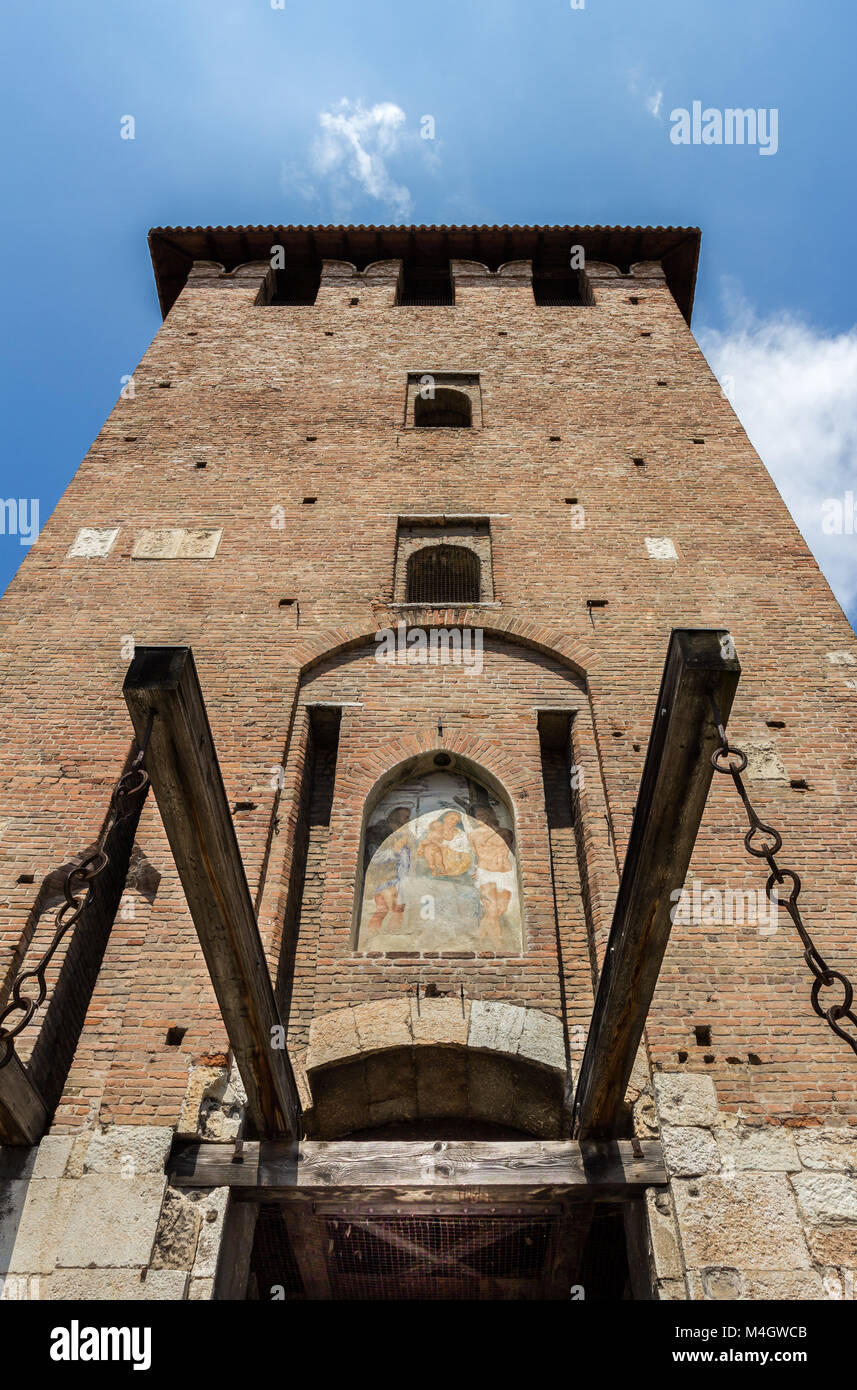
point(701, 663)
point(23, 1114)
point(183, 767)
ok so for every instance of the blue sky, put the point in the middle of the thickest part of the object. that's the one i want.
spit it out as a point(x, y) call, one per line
point(542, 113)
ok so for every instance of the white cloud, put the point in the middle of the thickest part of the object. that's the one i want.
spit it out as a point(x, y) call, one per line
point(353, 149)
point(640, 85)
point(795, 391)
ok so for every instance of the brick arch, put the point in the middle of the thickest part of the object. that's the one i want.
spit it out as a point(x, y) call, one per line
point(393, 1061)
point(401, 757)
point(547, 641)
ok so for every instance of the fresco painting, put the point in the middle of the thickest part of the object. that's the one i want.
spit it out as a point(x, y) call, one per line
point(440, 870)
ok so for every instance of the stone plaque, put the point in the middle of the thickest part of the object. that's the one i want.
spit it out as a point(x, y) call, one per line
point(92, 543)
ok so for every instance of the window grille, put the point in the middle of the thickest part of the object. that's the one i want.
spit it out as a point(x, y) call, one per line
point(442, 574)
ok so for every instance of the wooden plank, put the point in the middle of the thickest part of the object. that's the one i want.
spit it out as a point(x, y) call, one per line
point(390, 1176)
point(182, 764)
point(673, 791)
point(236, 1247)
point(307, 1234)
point(637, 1246)
point(23, 1114)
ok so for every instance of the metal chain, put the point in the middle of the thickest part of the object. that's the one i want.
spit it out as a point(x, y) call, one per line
point(768, 848)
point(130, 786)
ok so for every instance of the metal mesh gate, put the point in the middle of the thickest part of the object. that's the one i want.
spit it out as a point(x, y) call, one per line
point(391, 1258)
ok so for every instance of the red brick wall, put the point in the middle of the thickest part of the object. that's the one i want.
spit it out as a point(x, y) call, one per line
point(247, 385)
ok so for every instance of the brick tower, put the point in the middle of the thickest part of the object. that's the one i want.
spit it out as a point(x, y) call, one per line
point(393, 526)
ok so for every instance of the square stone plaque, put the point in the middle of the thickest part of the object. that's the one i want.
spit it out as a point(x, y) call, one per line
point(92, 543)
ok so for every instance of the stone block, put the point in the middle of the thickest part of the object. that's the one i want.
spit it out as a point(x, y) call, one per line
point(722, 1284)
point(764, 1148)
point(672, 1291)
point(542, 1039)
point(689, 1151)
point(178, 1232)
point(383, 1023)
point(827, 1199)
point(211, 1206)
point(495, 1027)
point(129, 1150)
point(53, 1155)
point(663, 1238)
point(833, 1245)
point(782, 1285)
point(661, 548)
point(30, 1235)
point(749, 1222)
point(441, 1084)
point(685, 1098)
point(157, 543)
point(199, 543)
point(829, 1148)
point(440, 1021)
point(112, 1221)
point(390, 1076)
point(331, 1038)
point(200, 1289)
point(87, 1285)
point(764, 763)
point(199, 1081)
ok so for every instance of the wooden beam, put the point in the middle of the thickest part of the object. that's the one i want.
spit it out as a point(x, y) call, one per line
point(236, 1247)
point(182, 764)
point(402, 1176)
point(23, 1114)
point(673, 791)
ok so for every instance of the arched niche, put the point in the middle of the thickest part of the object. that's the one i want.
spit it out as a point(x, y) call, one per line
point(439, 863)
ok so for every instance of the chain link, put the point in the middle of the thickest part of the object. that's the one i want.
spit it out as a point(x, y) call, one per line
point(733, 761)
point(130, 786)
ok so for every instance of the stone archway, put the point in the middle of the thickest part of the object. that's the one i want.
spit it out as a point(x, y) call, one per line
point(396, 1061)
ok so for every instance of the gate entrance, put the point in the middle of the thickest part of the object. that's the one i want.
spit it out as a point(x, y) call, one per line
point(534, 1255)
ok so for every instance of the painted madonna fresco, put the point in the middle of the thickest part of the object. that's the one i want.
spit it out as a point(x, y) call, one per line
point(440, 870)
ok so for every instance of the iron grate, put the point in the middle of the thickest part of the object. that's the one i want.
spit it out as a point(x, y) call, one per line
point(440, 574)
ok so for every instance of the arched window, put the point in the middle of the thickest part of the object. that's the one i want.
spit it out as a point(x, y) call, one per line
point(440, 869)
point(440, 574)
point(446, 407)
